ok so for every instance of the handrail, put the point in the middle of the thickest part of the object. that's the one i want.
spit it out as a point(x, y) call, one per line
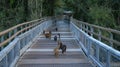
point(108, 39)
point(12, 28)
point(16, 40)
point(99, 53)
point(13, 36)
point(103, 28)
point(84, 26)
point(28, 25)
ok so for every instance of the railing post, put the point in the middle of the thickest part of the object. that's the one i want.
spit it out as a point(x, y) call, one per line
point(2, 39)
point(92, 30)
point(5, 61)
point(9, 35)
point(18, 48)
point(87, 29)
point(81, 26)
point(78, 34)
point(25, 27)
point(99, 37)
point(111, 38)
point(89, 45)
point(97, 52)
point(108, 59)
point(12, 55)
point(15, 30)
point(21, 29)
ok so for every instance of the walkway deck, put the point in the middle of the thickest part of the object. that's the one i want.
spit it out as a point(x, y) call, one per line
point(40, 54)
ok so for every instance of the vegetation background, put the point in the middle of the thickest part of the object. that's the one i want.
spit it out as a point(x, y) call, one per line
point(104, 13)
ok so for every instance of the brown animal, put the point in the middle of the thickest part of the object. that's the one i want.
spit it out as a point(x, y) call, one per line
point(60, 46)
point(47, 34)
point(56, 50)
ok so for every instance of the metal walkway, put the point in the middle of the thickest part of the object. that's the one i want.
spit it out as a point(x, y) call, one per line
point(88, 45)
point(40, 54)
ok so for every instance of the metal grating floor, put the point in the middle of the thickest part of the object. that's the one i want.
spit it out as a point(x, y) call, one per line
point(57, 65)
point(40, 54)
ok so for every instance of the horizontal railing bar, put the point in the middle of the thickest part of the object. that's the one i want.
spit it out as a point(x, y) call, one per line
point(31, 24)
point(88, 50)
point(10, 29)
point(97, 33)
point(13, 36)
point(114, 41)
point(102, 28)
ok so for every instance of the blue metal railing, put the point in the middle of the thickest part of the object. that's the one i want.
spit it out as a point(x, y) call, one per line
point(12, 52)
point(99, 53)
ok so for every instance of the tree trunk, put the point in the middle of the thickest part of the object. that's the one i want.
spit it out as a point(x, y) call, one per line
point(41, 9)
point(25, 3)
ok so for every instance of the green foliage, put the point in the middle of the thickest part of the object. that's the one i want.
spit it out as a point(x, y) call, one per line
point(12, 2)
point(100, 12)
point(102, 16)
point(59, 5)
point(13, 12)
